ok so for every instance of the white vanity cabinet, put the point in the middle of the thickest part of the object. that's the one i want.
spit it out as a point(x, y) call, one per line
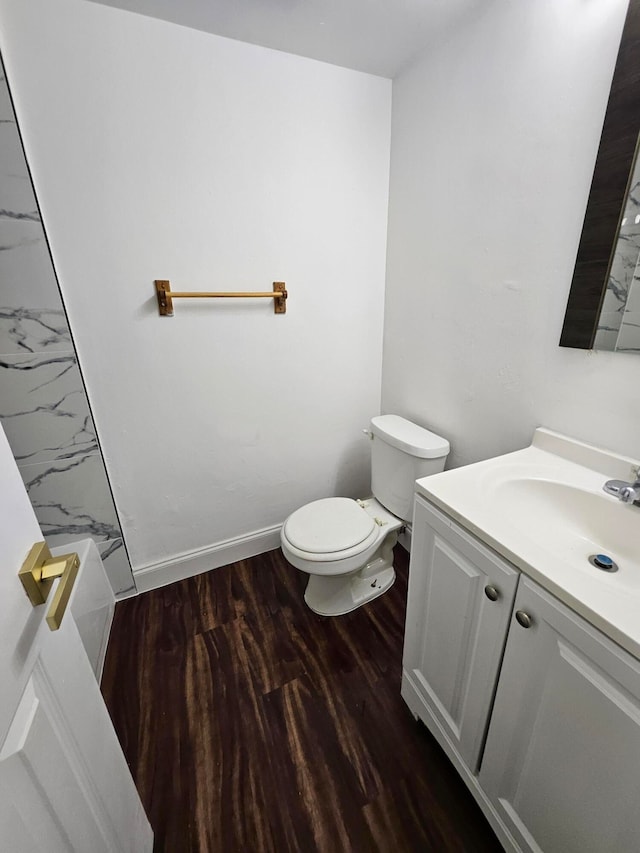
point(561, 765)
point(460, 600)
point(538, 710)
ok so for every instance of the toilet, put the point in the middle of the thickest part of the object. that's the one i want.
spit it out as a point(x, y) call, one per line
point(346, 545)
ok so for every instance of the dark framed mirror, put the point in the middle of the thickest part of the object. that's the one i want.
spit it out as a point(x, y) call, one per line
point(609, 200)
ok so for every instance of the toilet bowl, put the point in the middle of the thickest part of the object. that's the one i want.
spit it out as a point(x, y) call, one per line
point(346, 545)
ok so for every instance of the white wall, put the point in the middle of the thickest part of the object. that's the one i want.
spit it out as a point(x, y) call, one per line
point(163, 152)
point(494, 138)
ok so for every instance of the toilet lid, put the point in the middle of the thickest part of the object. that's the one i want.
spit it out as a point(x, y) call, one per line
point(328, 525)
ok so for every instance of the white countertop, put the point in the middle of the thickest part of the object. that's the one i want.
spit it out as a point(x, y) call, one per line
point(543, 509)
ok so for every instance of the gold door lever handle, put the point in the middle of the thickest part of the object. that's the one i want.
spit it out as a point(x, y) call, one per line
point(38, 573)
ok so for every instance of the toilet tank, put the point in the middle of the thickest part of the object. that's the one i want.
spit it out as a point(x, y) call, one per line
point(401, 452)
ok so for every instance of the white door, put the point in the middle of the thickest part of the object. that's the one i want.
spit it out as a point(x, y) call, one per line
point(64, 782)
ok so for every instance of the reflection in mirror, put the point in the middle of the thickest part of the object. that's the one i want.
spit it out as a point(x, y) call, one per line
point(619, 322)
point(603, 308)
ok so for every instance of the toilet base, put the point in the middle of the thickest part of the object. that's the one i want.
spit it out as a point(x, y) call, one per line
point(336, 595)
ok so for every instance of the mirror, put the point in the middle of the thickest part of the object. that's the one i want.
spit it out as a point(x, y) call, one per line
point(618, 328)
point(604, 300)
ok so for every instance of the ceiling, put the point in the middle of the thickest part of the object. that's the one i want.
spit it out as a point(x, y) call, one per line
point(376, 36)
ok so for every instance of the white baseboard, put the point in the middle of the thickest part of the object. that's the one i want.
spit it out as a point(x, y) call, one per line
point(204, 559)
point(129, 593)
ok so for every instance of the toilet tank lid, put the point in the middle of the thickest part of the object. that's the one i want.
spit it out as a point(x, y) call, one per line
point(407, 436)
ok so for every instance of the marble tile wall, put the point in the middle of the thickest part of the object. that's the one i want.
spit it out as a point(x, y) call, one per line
point(43, 405)
point(629, 335)
point(619, 323)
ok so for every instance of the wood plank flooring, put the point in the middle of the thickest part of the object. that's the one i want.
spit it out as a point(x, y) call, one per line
point(252, 724)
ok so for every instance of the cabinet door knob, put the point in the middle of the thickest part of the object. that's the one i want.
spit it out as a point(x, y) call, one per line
point(524, 619)
point(492, 593)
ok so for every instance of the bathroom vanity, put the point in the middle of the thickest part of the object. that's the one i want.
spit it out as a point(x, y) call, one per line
point(521, 657)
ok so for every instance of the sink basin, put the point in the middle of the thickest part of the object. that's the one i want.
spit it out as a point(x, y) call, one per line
point(543, 509)
point(572, 524)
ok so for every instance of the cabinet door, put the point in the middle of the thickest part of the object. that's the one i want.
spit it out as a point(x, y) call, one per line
point(562, 759)
point(455, 631)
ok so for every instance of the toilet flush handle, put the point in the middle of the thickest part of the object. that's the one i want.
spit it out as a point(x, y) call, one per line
point(368, 433)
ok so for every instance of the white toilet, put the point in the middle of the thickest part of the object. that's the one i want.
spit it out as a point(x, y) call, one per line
point(346, 546)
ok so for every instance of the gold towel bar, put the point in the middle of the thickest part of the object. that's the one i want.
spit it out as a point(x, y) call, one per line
point(166, 295)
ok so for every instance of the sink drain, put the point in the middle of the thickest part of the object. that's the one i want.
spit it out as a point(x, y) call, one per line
point(604, 563)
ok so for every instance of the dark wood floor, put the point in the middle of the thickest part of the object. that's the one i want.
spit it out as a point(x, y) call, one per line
point(251, 724)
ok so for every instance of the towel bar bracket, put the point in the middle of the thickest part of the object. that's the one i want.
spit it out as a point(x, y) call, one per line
point(166, 296)
point(280, 302)
point(165, 303)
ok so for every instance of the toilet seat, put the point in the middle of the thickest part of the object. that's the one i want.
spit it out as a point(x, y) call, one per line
point(331, 528)
point(340, 581)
